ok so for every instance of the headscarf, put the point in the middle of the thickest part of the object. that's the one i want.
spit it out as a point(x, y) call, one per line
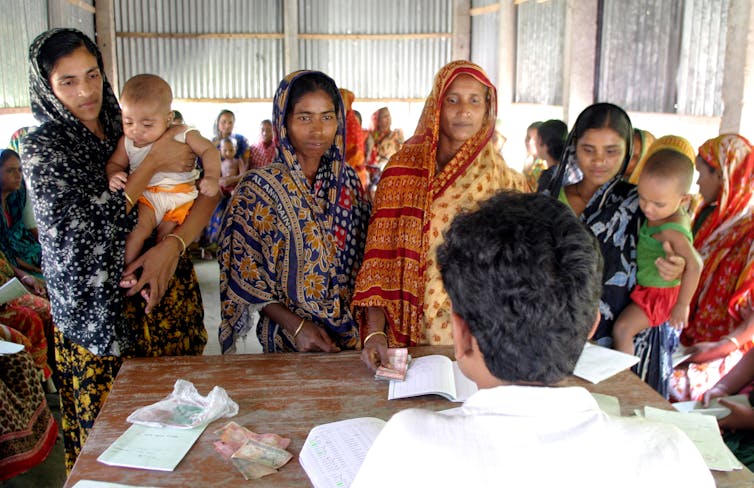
point(16, 240)
point(286, 242)
point(725, 242)
point(613, 216)
point(82, 226)
point(397, 260)
point(646, 139)
point(354, 139)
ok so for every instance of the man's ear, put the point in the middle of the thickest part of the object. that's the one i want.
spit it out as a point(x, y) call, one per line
point(596, 324)
point(462, 338)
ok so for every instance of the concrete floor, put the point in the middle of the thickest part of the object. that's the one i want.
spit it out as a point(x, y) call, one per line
point(51, 473)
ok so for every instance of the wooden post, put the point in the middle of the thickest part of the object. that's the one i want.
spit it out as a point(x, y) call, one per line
point(506, 60)
point(461, 29)
point(290, 27)
point(579, 57)
point(738, 79)
point(104, 21)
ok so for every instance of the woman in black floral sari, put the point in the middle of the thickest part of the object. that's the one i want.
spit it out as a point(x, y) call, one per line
point(82, 229)
point(589, 180)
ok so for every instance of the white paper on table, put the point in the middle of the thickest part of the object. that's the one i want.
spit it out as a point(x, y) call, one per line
point(703, 432)
point(433, 375)
point(680, 355)
point(104, 484)
point(333, 453)
point(7, 347)
point(598, 363)
point(607, 403)
point(12, 290)
point(158, 449)
point(464, 386)
point(715, 408)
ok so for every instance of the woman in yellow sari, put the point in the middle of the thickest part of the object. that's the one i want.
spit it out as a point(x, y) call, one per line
point(448, 166)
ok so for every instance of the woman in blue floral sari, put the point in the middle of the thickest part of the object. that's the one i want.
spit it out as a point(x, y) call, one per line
point(589, 180)
point(294, 232)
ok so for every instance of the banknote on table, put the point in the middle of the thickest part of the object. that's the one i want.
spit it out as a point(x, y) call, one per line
point(254, 455)
point(262, 454)
point(233, 436)
point(398, 366)
point(255, 459)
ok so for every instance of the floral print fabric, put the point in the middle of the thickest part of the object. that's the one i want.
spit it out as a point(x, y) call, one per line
point(413, 206)
point(286, 242)
point(725, 241)
point(82, 229)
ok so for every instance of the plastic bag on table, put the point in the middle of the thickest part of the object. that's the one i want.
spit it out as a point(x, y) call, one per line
point(185, 408)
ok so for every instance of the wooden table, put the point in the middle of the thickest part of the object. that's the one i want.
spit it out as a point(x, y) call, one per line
point(287, 394)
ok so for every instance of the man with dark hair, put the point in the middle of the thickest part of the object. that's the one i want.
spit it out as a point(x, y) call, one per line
point(524, 279)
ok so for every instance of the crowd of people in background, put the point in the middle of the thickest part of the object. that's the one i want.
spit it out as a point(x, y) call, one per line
point(327, 232)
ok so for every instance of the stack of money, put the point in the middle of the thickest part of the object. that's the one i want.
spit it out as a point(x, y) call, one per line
point(254, 455)
point(397, 368)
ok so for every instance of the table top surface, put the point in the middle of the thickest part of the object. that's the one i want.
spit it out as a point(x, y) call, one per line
point(286, 394)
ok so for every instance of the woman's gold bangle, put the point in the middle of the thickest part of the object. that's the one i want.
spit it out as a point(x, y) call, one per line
point(180, 239)
point(298, 329)
point(377, 332)
point(128, 199)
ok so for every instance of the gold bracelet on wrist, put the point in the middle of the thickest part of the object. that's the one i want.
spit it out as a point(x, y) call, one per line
point(734, 340)
point(298, 329)
point(128, 199)
point(180, 239)
point(369, 336)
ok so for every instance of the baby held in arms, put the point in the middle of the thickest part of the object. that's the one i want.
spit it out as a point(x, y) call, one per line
point(145, 104)
point(664, 182)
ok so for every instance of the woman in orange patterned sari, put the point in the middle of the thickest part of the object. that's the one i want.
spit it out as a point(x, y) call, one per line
point(721, 322)
point(354, 139)
point(446, 167)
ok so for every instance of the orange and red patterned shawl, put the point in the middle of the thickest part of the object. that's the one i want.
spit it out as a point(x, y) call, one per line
point(413, 205)
point(725, 241)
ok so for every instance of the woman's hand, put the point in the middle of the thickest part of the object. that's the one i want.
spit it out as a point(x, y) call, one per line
point(35, 286)
point(374, 354)
point(741, 417)
point(709, 351)
point(157, 265)
point(716, 391)
point(312, 338)
point(174, 156)
point(672, 265)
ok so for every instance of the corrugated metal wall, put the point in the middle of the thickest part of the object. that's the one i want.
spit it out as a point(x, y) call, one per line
point(24, 20)
point(484, 38)
point(639, 54)
point(539, 52)
point(700, 73)
point(220, 65)
point(390, 68)
point(663, 56)
point(65, 13)
point(248, 68)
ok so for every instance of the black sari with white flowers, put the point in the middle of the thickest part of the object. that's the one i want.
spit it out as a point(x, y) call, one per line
point(614, 217)
point(83, 226)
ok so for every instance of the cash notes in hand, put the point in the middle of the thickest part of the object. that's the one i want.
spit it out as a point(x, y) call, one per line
point(397, 368)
